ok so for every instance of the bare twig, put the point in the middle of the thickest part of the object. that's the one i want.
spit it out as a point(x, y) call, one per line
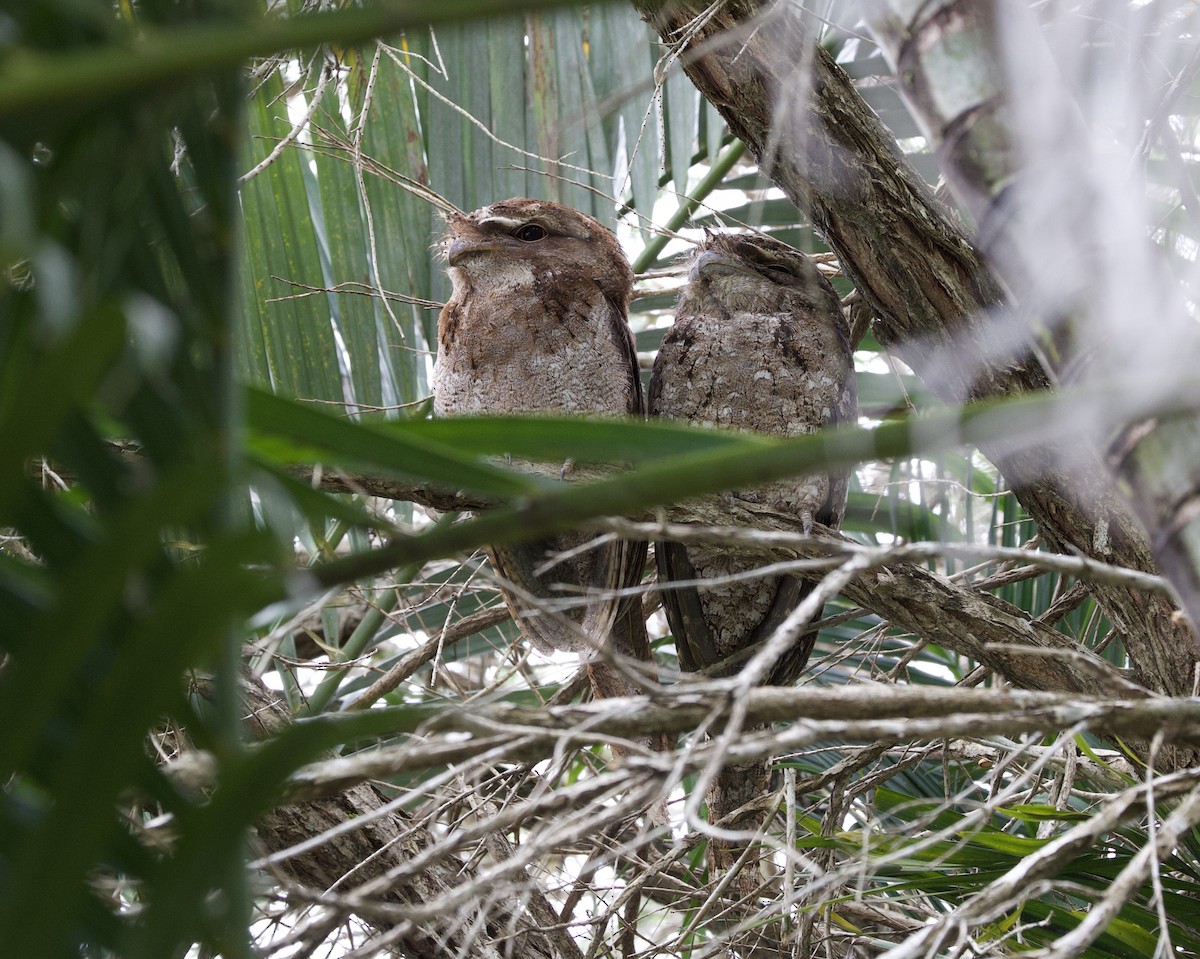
point(869, 712)
point(411, 662)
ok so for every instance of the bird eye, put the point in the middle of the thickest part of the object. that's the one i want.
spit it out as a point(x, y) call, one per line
point(530, 232)
point(778, 268)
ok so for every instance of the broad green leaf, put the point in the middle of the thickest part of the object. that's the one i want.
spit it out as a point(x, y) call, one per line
point(288, 431)
point(583, 440)
point(288, 345)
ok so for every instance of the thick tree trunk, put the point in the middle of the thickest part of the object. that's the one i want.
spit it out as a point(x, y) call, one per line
point(937, 303)
point(982, 150)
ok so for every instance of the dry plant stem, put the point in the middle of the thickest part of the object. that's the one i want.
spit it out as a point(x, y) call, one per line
point(501, 849)
point(867, 713)
point(630, 897)
point(724, 783)
point(411, 662)
point(298, 127)
point(989, 630)
point(371, 898)
point(382, 843)
point(547, 808)
point(912, 598)
point(921, 276)
point(759, 541)
point(600, 857)
point(353, 288)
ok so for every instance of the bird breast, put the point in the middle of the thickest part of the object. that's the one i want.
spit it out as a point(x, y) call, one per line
point(510, 347)
point(751, 371)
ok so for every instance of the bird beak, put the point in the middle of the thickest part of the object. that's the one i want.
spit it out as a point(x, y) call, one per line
point(710, 262)
point(462, 247)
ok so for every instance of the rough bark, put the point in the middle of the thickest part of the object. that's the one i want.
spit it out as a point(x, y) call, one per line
point(937, 304)
point(979, 145)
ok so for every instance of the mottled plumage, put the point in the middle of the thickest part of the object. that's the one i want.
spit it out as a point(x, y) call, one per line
point(537, 323)
point(759, 343)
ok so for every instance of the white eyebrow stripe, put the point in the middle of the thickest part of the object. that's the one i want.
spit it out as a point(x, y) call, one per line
point(503, 221)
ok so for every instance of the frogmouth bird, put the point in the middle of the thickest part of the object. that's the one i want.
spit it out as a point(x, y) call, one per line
point(759, 343)
point(537, 324)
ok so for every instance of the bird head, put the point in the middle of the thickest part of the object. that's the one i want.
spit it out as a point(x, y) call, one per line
point(755, 271)
point(522, 240)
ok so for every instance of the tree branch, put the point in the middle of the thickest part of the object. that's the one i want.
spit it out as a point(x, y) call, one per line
point(869, 712)
point(935, 298)
point(996, 172)
point(1028, 653)
point(384, 838)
